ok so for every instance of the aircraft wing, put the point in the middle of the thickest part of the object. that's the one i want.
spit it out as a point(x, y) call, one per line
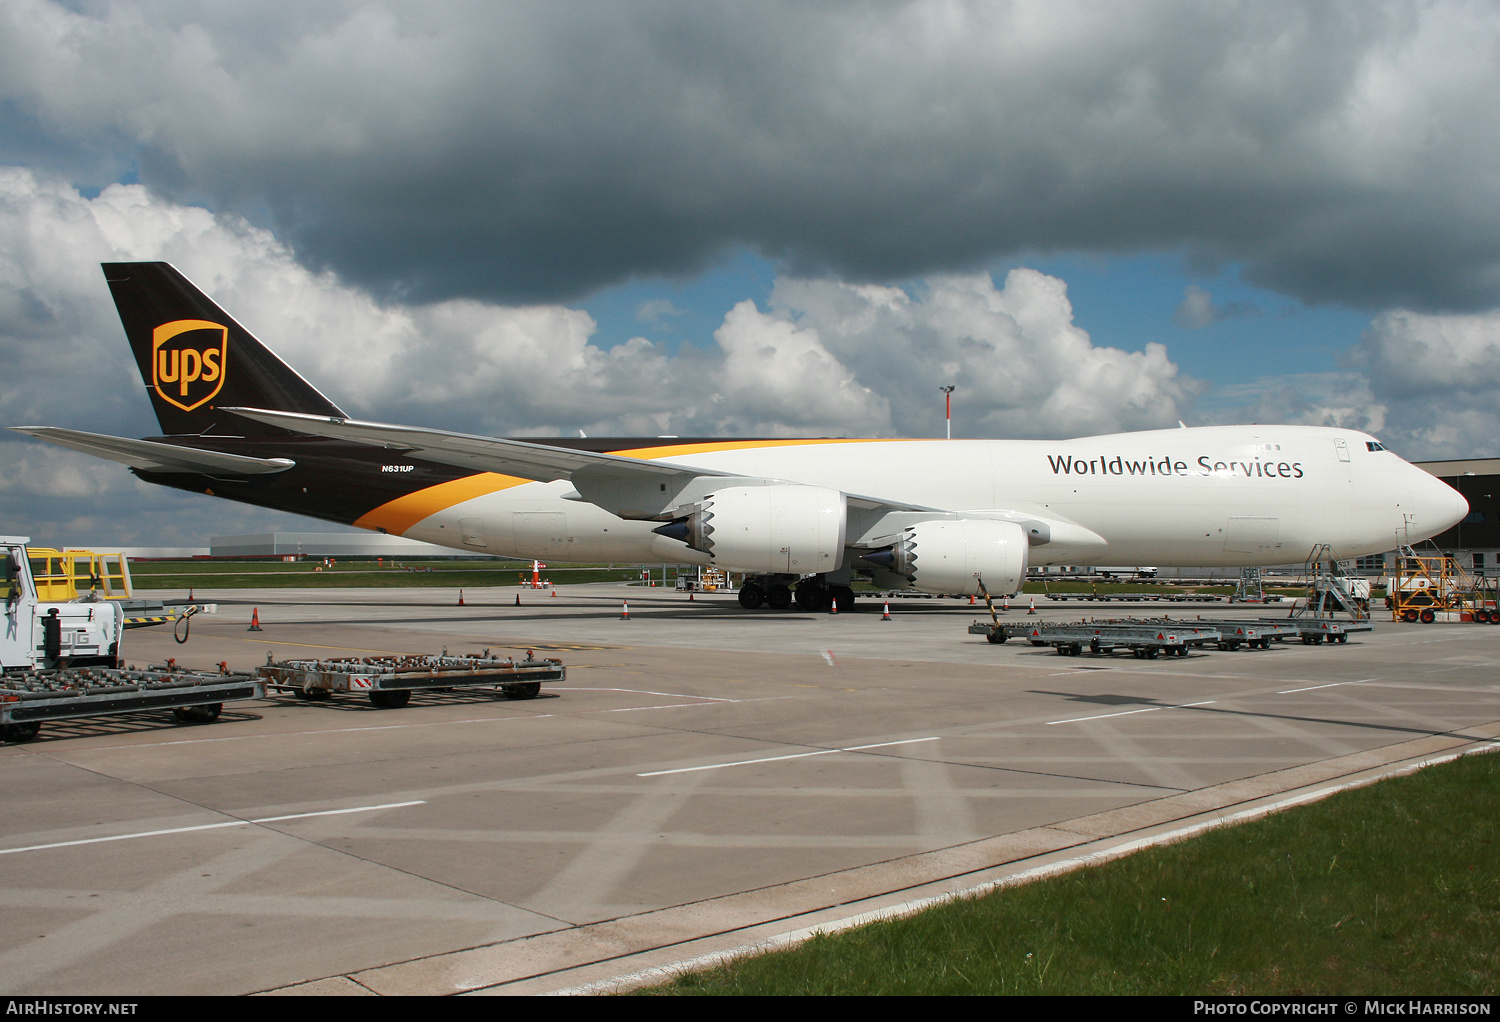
point(150, 456)
point(482, 453)
point(587, 469)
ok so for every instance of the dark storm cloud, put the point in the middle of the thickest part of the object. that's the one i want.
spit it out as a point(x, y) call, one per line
point(537, 151)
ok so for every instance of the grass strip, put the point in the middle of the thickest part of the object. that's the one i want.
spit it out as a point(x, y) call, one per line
point(1392, 889)
point(159, 575)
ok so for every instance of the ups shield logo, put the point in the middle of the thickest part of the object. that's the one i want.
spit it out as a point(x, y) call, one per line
point(187, 361)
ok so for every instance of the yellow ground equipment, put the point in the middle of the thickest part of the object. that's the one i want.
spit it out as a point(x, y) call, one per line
point(1426, 588)
point(62, 575)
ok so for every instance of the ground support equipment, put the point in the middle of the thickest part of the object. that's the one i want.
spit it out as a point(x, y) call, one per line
point(1429, 589)
point(1311, 630)
point(1315, 630)
point(1254, 634)
point(389, 681)
point(1144, 639)
point(27, 698)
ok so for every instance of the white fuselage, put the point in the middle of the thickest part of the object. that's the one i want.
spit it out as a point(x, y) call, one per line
point(1223, 495)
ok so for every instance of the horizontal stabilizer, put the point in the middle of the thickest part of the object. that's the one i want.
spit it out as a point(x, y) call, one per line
point(154, 457)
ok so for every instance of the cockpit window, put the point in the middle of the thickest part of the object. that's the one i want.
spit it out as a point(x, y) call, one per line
point(1374, 445)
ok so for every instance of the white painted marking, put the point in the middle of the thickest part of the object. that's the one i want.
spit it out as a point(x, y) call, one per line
point(1126, 713)
point(319, 731)
point(776, 759)
point(210, 826)
point(647, 692)
point(1314, 688)
point(658, 706)
point(794, 937)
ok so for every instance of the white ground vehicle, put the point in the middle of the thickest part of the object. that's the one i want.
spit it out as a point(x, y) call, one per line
point(38, 635)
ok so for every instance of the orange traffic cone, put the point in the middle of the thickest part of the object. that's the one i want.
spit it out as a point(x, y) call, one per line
point(518, 599)
point(833, 605)
point(1032, 608)
point(460, 597)
point(625, 611)
point(254, 620)
point(690, 597)
point(554, 594)
point(971, 599)
point(885, 615)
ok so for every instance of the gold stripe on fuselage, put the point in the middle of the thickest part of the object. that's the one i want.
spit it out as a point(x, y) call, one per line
point(396, 516)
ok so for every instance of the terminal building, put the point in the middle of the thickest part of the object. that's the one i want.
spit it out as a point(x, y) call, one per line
point(1475, 541)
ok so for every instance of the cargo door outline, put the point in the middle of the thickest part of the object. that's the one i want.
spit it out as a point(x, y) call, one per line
point(541, 533)
point(1247, 534)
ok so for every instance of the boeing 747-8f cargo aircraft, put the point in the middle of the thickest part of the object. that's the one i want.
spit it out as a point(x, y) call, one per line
point(934, 515)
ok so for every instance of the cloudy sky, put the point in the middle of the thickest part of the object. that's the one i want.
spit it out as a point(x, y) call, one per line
point(735, 218)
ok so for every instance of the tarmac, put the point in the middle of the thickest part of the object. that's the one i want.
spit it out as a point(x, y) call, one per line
point(706, 781)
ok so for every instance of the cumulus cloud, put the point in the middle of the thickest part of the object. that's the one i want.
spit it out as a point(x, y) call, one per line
point(1342, 399)
point(657, 311)
point(533, 151)
point(1021, 366)
point(1198, 310)
point(1438, 377)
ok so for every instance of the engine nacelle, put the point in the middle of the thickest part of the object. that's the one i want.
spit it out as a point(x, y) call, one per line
point(954, 556)
point(789, 529)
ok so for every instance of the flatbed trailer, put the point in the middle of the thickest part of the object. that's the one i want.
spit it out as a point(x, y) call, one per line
point(1144, 639)
point(1314, 630)
point(389, 681)
point(1139, 597)
point(28, 698)
point(1257, 634)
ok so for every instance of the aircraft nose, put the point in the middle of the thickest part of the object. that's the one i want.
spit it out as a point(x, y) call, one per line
point(1439, 506)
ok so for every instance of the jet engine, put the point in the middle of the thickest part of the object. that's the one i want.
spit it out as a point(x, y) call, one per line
point(953, 556)
point(783, 529)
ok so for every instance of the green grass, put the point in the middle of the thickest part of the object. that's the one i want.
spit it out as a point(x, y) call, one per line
point(1392, 889)
point(157, 575)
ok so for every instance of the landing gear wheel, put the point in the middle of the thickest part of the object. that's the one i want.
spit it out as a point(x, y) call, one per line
point(206, 714)
point(751, 597)
point(778, 597)
point(812, 598)
point(530, 690)
point(390, 699)
point(25, 731)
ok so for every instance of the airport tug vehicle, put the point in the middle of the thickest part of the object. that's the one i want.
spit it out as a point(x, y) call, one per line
point(60, 660)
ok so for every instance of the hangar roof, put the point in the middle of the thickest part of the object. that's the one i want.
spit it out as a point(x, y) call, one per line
point(1462, 467)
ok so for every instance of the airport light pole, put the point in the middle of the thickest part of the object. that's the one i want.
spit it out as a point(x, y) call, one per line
point(948, 408)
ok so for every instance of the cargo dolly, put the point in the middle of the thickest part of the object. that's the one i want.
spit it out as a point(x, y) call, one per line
point(28, 698)
point(1315, 630)
point(389, 681)
point(1144, 639)
point(1254, 634)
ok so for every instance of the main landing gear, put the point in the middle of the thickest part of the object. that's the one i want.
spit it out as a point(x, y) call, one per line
point(812, 594)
